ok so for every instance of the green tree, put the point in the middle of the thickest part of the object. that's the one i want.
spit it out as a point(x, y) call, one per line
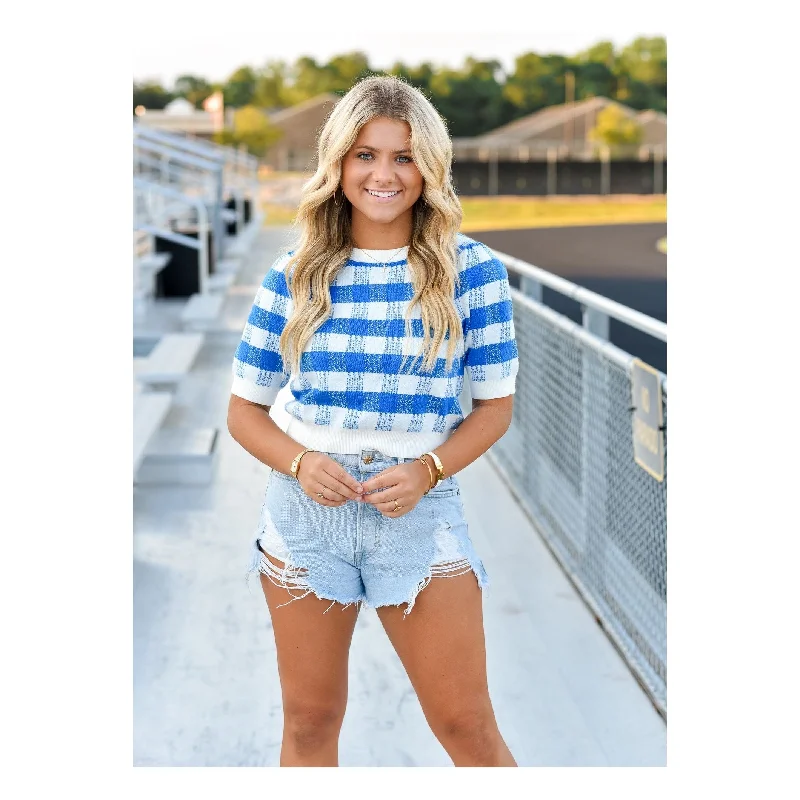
point(640, 95)
point(240, 87)
point(151, 94)
point(594, 79)
point(600, 53)
point(645, 60)
point(615, 129)
point(643, 74)
point(307, 80)
point(594, 70)
point(345, 70)
point(194, 88)
point(471, 99)
point(271, 83)
point(251, 128)
point(536, 82)
point(419, 76)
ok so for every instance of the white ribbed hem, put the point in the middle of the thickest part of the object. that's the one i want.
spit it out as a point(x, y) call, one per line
point(344, 440)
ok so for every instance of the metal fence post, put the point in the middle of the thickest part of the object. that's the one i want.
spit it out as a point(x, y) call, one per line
point(594, 460)
point(605, 169)
point(202, 233)
point(493, 182)
point(531, 288)
point(216, 219)
point(596, 322)
point(658, 169)
point(552, 159)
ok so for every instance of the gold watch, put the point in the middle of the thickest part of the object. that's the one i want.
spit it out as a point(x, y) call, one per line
point(296, 463)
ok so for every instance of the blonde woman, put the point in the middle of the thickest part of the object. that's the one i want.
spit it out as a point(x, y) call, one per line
point(376, 316)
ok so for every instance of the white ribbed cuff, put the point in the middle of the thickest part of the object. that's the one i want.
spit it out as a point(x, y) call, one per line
point(263, 395)
point(488, 390)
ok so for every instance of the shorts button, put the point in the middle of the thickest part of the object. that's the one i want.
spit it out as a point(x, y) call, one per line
point(368, 459)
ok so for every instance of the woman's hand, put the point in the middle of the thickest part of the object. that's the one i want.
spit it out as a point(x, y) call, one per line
point(401, 485)
point(327, 481)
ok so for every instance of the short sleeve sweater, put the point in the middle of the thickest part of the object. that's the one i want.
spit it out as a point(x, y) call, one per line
point(350, 392)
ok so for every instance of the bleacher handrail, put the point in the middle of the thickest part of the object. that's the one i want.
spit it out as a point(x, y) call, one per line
point(199, 162)
point(602, 306)
point(158, 228)
point(176, 143)
point(216, 168)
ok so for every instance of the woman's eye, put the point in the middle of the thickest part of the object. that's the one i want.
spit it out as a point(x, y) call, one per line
point(407, 159)
point(369, 155)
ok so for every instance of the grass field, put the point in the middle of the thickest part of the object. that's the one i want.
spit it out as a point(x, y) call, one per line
point(506, 213)
point(277, 215)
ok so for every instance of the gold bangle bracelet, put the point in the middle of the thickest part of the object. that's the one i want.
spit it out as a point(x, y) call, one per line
point(430, 472)
point(439, 466)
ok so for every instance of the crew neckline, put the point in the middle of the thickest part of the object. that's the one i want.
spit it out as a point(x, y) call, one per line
point(401, 252)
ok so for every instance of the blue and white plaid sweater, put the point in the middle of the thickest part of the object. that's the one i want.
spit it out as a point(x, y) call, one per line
point(350, 392)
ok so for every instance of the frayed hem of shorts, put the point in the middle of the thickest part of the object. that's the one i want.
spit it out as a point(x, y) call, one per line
point(291, 578)
point(450, 569)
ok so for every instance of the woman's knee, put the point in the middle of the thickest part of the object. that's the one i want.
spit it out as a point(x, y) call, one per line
point(470, 730)
point(310, 727)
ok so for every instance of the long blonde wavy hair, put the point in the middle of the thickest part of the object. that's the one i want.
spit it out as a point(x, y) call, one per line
point(325, 240)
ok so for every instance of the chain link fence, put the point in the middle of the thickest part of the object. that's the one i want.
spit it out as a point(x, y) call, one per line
point(568, 457)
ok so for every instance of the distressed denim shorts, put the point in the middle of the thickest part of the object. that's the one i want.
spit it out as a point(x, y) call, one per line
point(353, 553)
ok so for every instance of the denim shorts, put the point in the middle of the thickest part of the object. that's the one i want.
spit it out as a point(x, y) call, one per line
point(353, 553)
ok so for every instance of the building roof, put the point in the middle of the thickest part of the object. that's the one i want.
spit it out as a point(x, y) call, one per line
point(286, 114)
point(302, 123)
point(651, 115)
point(536, 125)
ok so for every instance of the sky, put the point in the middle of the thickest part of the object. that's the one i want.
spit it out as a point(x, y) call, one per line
point(195, 38)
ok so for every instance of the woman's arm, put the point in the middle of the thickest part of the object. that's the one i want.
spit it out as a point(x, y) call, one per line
point(491, 362)
point(480, 429)
point(254, 429)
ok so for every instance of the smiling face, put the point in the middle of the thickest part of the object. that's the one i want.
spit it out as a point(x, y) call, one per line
point(382, 182)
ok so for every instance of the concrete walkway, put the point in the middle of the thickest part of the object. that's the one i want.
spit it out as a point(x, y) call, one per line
point(206, 689)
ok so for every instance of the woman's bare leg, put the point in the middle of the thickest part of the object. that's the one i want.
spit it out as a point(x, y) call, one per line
point(441, 644)
point(313, 649)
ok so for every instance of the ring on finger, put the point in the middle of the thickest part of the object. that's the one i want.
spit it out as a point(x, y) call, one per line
point(320, 494)
point(396, 505)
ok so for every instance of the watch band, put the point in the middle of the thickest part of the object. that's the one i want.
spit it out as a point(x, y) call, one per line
point(296, 463)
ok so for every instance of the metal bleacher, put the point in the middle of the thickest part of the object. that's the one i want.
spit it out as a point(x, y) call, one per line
point(197, 195)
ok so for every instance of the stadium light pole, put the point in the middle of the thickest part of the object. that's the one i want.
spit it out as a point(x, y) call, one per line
point(569, 98)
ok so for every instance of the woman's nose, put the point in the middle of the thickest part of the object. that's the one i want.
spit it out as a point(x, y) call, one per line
point(383, 171)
